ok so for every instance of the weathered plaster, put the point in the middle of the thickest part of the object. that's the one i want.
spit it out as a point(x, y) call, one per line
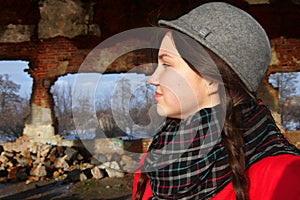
point(39, 127)
point(13, 33)
point(55, 36)
point(274, 58)
point(61, 69)
point(67, 18)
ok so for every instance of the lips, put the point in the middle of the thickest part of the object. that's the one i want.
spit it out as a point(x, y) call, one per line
point(157, 95)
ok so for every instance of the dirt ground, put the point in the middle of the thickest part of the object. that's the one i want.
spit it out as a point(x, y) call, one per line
point(104, 189)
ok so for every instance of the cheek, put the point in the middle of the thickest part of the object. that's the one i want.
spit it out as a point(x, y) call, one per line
point(169, 104)
point(171, 97)
point(172, 88)
point(180, 86)
point(179, 94)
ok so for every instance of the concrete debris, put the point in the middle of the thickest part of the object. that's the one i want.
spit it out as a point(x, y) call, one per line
point(45, 161)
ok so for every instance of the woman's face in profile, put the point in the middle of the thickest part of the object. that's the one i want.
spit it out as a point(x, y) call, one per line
point(180, 91)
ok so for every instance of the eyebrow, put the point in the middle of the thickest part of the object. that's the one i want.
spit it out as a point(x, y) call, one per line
point(164, 55)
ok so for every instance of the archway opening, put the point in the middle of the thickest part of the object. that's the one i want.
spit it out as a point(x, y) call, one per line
point(99, 99)
point(286, 83)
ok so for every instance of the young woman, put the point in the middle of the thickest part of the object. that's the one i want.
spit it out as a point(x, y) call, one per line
point(218, 141)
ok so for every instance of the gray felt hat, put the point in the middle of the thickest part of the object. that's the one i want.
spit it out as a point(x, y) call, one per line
point(232, 34)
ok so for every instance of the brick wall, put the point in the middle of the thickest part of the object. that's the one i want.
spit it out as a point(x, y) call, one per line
point(54, 57)
point(288, 54)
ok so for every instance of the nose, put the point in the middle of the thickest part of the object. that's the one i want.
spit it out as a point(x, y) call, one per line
point(154, 78)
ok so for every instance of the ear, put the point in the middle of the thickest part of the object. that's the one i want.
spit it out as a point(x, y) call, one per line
point(213, 86)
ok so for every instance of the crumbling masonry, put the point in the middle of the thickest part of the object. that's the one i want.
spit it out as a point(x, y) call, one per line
point(56, 36)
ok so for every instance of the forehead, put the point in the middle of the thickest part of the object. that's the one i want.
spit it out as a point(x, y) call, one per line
point(168, 46)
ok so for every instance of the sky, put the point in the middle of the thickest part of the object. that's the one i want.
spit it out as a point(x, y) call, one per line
point(86, 81)
point(16, 71)
point(95, 83)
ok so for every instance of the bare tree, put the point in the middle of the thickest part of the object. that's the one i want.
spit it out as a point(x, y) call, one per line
point(291, 113)
point(131, 103)
point(12, 106)
point(84, 115)
point(286, 83)
point(140, 104)
point(120, 105)
point(62, 96)
point(8, 92)
point(107, 125)
point(75, 111)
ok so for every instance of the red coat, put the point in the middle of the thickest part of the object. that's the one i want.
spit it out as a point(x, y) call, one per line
point(272, 178)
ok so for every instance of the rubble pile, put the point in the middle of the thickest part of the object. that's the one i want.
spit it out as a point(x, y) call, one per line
point(45, 161)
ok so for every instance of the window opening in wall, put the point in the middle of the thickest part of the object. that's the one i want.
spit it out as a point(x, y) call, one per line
point(109, 95)
point(287, 85)
point(15, 92)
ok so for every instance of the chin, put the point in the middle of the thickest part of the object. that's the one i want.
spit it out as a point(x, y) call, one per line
point(161, 111)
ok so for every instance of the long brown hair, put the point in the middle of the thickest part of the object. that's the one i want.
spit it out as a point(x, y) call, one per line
point(233, 141)
point(233, 94)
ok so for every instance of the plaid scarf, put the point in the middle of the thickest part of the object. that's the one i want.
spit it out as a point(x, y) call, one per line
point(187, 159)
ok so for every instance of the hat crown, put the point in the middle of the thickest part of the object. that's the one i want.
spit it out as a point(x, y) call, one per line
point(232, 34)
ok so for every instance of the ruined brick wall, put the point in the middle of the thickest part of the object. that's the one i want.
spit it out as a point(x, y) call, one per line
point(50, 61)
point(285, 58)
point(286, 54)
point(56, 36)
